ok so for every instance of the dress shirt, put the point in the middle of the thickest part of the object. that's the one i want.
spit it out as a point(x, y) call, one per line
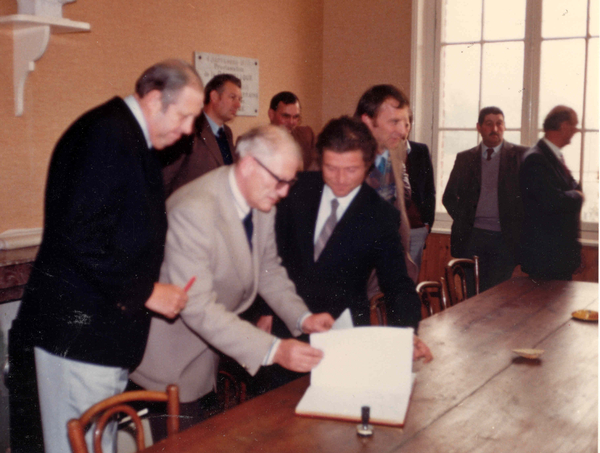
point(135, 108)
point(243, 208)
point(325, 207)
point(484, 149)
point(214, 127)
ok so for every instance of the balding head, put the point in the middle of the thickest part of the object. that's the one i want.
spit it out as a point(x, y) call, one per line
point(269, 160)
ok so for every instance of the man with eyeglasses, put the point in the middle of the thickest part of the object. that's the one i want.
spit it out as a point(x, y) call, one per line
point(284, 111)
point(221, 231)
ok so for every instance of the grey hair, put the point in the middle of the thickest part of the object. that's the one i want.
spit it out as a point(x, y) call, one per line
point(265, 142)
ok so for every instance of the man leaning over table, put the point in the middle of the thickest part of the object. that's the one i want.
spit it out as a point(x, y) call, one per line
point(221, 230)
point(87, 306)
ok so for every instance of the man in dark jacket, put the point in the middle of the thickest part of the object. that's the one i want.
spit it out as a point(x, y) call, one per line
point(552, 201)
point(484, 201)
point(86, 311)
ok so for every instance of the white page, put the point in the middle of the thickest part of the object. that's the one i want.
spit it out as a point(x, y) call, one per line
point(344, 321)
point(364, 358)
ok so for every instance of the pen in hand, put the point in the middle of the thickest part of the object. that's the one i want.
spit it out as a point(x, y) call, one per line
point(189, 284)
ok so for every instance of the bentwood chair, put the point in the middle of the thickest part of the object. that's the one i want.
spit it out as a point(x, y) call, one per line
point(456, 278)
point(378, 312)
point(101, 413)
point(434, 297)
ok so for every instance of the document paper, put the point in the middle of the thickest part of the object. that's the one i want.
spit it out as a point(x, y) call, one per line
point(365, 366)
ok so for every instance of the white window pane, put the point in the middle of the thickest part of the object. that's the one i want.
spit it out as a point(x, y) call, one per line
point(564, 18)
point(589, 183)
point(594, 15)
point(514, 137)
point(572, 155)
point(562, 70)
point(504, 19)
point(591, 94)
point(450, 143)
point(459, 94)
point(461, 21)
point(502, 79)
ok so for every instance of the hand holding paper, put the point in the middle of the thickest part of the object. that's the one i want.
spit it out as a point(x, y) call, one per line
point(321, 322)
point(297, 356)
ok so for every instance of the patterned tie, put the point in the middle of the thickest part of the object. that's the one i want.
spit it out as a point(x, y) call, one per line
point(249, 227)
point(327, 229)
point(490, 151)
point(224, 147)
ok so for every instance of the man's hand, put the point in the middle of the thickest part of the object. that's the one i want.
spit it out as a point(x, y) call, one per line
point(265, 323)
point(421, 350)
point(297, 356)
point(321, 322)
point(167, 300)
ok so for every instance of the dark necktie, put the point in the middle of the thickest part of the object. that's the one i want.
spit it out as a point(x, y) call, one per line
point(490, 151)
point(249, 227)
point(328, 228)
point(224, 147)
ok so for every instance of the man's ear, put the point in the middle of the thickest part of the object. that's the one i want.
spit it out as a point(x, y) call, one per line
point(271, 115)
point(153, 100)
point(214, 96)
point(367, 120)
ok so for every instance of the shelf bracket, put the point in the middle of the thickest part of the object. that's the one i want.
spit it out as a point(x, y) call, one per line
point(29, 46)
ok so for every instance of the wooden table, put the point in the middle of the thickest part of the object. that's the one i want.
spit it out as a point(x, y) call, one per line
point(476, 396)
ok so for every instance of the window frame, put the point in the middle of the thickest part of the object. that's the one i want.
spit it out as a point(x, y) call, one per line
point(425, 83)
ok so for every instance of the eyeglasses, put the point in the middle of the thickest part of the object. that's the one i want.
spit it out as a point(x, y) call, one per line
point(281, 183)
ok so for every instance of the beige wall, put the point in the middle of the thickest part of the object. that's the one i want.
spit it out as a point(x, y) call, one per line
point(326, 51)
point(364, 44)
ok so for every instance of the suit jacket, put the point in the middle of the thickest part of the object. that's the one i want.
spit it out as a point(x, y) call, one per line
point(462, 196)
point(104, 233)
point(552, 209)
point(207, 239)
point(420, 175)
point(365, 238)
point(305, 137)
point(193, 156)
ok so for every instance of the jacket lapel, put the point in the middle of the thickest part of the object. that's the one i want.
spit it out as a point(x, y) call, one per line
point(235, 235)
point(209, 139)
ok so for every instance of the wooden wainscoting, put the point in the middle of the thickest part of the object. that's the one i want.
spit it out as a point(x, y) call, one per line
point(437, 254)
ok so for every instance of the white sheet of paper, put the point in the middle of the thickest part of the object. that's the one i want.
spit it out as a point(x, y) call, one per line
point(363, 358)
point(364, 366)
point(344, 321)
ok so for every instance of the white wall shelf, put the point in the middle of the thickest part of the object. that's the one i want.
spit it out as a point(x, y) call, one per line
point(31, 34)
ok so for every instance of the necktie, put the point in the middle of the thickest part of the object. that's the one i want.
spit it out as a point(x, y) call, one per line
point(224, 147)
point(381, 165)
point(249, 227)
point(328, 228)
point(490, 151)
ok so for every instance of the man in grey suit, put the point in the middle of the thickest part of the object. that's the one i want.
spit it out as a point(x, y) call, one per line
point(221, 231)
point(483, 198)
point(212, 142)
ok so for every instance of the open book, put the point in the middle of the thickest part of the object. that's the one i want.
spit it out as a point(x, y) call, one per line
point(363, 366)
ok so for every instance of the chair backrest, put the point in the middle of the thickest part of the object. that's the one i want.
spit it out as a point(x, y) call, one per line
point(455, 270)
point(103, 411)
point(433, 296)
point(378, 311)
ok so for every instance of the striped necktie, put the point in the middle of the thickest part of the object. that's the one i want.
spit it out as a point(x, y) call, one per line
point(327, 229)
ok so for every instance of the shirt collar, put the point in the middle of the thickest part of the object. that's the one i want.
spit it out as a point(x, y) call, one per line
point(241, 205)
point(384, 155)
point(408, 148)
point(555, 149)
point(136, 110)
point(484, 149)
point(344, 202)
point(214, 127)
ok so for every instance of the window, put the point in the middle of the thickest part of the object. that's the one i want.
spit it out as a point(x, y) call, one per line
point(524, 56)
